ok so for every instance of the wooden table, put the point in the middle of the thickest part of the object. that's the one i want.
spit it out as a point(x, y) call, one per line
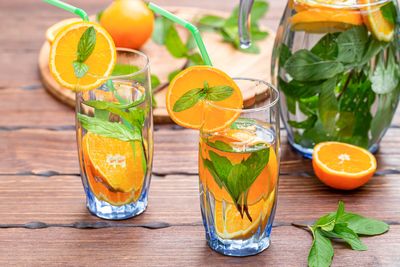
point(39, 178)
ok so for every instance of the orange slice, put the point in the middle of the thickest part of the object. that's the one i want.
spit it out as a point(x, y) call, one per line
point(319, 18)
point(229, 224)
point(382, 29)
point(343, 166)
point(56, 28)
point(64, 52)
point(207, 117)
point(121, 165)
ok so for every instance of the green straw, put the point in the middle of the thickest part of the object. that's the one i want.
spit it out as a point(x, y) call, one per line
point(74, 10)
point(193, 29)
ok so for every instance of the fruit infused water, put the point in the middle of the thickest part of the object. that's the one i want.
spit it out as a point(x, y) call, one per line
point(238, 170)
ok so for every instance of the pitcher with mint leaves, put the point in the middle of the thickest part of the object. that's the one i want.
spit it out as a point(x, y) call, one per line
point(336, 64)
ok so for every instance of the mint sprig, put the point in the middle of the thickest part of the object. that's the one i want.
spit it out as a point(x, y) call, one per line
point(339, 225)
point(193, 96)
point(86, 45)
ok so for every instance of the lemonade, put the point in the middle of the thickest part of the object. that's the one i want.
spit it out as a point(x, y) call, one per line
point(238, 171)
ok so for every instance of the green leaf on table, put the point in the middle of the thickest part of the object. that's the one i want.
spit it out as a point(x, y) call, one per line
point(108, 129)
point(364, 226)
point(172, 75)
point(341, 231)
point(195, 59)
point(389, 12)
point(386, 78)
point(304, 66)
point(212, 21)
point(352, 44)
point(174, 43)
point(80, 69)
point(188, 100)
point(258, 34)
point(86, 44)
point(321, 252)
point(161, 27)
point(327, 47)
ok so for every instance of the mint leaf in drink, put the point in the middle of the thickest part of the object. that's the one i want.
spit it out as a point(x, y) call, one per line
point(86, 44)
point(188, 100)
point(321, 252)
point(328, 105)
point(327, 47)
point(174, 43)
point(298, 89)
point(221, 146)
point(108, 129)
point(304, 66)
point(80, 69)
point(389, 12)
point(385, 78)
point(352, 44)
point(125, 69)
point(284, 54)
point(306, 124)
point(218, 93)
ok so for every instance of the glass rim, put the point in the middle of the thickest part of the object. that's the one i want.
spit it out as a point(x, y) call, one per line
point(129, 75)
point(344, 5)
point(273, 103)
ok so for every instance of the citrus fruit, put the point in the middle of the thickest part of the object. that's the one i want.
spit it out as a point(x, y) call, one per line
point(63, 54)
point(208, 117)
point(121, 165)
point(55, 28)
point(230, 224)
point(343, 166)
point(382, 29)
point(321, 18)
point(129, 22)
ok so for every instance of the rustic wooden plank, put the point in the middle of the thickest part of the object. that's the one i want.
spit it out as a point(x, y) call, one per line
point(175, 246)
point(174, 199)
point(39, 150)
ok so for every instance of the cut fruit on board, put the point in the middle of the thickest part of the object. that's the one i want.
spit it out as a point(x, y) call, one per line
point(223, 55)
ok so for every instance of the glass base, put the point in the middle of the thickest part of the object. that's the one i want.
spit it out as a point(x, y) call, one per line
point(239, 248)
point(107, 211)
point(307, 152)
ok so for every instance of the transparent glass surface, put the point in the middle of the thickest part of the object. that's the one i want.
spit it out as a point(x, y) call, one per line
point(115, 139)
point(336, 66)
point(238, 171)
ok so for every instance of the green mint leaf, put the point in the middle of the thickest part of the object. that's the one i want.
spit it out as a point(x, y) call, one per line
point(237, 182)
point(86, 44)
point(221, 165)
point(326, 222)
point(80, 69)
point(191, 43)
point(257, 34)
point(304, 66)
point(174, 43)
point(327, 47)
point(211, 21)
point(340, 211)
point(348, 235)
point(105, 105)
point(352, 44)
point(374, 47)
point(218, 93)
point(298, 89)
point(253, 49)
point(385, 79)
point(125, 69)
point(328, 105)
point(210, 167)
point(258, 11)
point(172, 75)
point(108, 129)
point(284, 54)
point(389, 12)
point(161, 27)
point(221, 146)
point(188, 100)
point(364, 226)
point(309, 106)
point(102, 114)
point(99, 15)
point(195, 59)
point(306, 124)
point(321, 252)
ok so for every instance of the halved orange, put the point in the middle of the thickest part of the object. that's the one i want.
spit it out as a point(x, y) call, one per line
point(343, 166)
point(320, 18)
point(230, 224)
point(382, 29)
point(64, 52)
point(208, 117)
point(121, 165)
point(57, 27)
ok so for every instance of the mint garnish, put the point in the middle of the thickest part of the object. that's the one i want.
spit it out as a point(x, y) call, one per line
point(86, 45)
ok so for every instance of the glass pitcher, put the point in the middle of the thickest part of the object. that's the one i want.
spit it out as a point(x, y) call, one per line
point(336, 64)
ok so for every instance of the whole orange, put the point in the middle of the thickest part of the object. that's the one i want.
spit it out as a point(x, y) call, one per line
point(129, 22)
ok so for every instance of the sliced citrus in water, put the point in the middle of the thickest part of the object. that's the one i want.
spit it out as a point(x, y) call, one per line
point(382, 29)
point(230, 224)
point(63, 53)
point(319, 18)
point(121, 165)
point(343, 166)
point(208, 117)
point(56, 28)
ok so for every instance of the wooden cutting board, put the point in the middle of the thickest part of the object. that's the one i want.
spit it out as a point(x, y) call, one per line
point(223, 56)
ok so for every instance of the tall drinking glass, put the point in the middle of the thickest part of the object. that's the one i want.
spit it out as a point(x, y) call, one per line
point(115, 139)
point(239, 169)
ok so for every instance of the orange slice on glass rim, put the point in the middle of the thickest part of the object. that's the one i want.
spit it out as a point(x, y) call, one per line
point(206, 114)
point(343, 166)
point(63, 54)
point(382, 29)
